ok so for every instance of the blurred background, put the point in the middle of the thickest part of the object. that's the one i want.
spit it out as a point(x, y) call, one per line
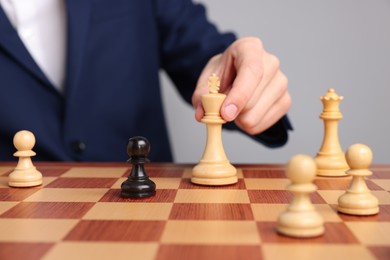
point(343, 45)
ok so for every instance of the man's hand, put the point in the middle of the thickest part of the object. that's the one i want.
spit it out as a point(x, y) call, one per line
point(257, 95)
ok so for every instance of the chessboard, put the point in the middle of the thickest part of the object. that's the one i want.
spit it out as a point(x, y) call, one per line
point(78, 213)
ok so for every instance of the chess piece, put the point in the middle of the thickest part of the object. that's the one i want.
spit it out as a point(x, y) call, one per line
point(358, 200)
point(214, 167)
point(138, 184)
point(25, 174)
point(330, 159)
point(301, 219)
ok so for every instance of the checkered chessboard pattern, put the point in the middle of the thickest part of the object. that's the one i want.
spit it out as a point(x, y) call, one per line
point(78, 214)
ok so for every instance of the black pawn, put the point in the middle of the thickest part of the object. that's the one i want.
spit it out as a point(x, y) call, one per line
point(138, 184)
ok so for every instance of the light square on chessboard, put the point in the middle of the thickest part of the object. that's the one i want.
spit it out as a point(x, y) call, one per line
point(81, 182)
point(208, 211)
point(96, 172)
point(211, 196)
point(67, 195)
point(35, 230)
point(371, 233)
point(117, 230)
point(103, 251)
point(331, 196)
point(129, 211)
point(167, 183)
point(210, 232)
point(187, 173)
point(161, 183)
point(71, 210)
point(164, 195)
point(321, 252)
point(271, 212)
point(266, 184)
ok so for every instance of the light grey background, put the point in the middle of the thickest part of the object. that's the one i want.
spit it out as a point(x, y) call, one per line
point(321, 44)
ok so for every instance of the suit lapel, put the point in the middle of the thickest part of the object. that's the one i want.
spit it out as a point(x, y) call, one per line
point(78, 14)
point(13, 45)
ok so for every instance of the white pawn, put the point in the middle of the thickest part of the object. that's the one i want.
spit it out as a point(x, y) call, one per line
point(25, 174)
point(301, 219)
point(358, 200)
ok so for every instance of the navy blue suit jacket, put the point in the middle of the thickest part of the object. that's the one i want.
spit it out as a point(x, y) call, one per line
point(115, 50)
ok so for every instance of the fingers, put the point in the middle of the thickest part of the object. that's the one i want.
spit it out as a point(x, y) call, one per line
point(240, 69)
point(257, 94)
point(274, 102)
point(199, 112)
point(276, 112)
point(246, 58)
point(271, 73)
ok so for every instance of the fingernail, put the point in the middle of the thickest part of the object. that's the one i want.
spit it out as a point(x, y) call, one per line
point(231, 111)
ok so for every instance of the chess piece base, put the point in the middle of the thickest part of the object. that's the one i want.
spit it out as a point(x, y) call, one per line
point(214, 182)
point(360, 212)
point(138, 188)
point(222, 173)
point(25, 178)
point(298, 224)
point(358, 204)
point(302, 233)
point(331, 166)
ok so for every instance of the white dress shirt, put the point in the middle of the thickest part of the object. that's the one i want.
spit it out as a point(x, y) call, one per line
point(41, 24)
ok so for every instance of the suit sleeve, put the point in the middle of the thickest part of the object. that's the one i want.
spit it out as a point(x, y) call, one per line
point(187, 42)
